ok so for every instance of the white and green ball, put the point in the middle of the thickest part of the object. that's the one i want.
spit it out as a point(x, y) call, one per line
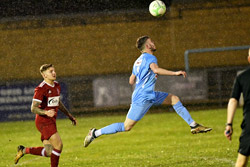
point(157, 8)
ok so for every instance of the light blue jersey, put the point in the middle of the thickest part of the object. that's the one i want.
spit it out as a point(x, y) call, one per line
point(144, 95)
point(145, 79)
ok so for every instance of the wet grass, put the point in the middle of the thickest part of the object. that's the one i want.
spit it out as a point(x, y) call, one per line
point(161, 139)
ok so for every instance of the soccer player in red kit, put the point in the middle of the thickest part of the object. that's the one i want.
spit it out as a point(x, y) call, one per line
point(45, 105)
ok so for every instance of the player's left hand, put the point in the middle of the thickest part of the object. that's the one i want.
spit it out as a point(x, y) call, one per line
point(181, 73)
point(73, 120)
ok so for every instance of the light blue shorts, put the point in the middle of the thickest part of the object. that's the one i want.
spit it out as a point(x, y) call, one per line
point(138, 110)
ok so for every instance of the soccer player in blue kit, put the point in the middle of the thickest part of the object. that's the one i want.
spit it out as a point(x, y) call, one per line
point(144, 75)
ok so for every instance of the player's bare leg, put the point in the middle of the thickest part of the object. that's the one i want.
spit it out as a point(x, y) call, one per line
point(183, 112)
point(57, 144)
point(48, 147)
point(241, 161)
point(129, 124)
point(171, 99)
point(56, 141)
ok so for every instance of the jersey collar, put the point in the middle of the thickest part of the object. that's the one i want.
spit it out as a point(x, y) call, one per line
point(49, 84)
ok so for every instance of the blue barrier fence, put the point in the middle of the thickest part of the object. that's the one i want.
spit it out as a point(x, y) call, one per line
point(16, 99)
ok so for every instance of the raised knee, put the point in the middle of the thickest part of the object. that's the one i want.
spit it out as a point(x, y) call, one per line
point(175, 99)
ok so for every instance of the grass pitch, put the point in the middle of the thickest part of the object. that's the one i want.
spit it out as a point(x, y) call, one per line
point(158, 140)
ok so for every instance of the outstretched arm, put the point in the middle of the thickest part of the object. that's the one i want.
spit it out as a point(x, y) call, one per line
point(231, 109)
point(157, 70)
point(66, 112)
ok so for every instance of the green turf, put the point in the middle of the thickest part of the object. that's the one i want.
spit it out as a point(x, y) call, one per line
point(161, 139)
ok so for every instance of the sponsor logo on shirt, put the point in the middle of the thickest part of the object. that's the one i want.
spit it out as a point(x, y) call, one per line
point(138, 62)
point(53, 101)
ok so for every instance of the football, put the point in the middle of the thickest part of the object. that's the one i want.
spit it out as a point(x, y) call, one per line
point(157, 8)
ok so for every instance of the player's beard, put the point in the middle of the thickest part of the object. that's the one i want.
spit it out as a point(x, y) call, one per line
point(152, 48)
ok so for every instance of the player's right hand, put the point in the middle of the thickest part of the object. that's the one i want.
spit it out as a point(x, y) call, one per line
point(50, 113)
point(228, 132)
point(181, 73)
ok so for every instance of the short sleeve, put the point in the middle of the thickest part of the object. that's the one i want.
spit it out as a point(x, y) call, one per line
point(39, 94)
point(151, 59)
point(236, 89)
point(133, 72)
point(137, 65)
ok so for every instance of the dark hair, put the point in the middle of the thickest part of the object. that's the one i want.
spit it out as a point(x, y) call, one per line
point(140, 43)
point(45, 67)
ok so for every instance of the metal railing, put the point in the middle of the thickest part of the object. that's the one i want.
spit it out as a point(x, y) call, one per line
point(203, 50)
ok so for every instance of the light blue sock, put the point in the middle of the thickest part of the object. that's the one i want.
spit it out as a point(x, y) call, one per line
point(183, 112)
point(113, 128)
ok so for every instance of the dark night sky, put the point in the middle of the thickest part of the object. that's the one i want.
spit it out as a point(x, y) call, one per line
point(11, 8)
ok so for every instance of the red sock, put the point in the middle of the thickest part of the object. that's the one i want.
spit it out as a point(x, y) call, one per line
point(54, 158)
point(36, 151)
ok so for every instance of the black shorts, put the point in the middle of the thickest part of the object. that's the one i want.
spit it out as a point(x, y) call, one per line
point(244, 147)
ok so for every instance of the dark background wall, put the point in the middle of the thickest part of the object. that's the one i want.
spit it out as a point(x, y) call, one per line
point(104, 43)
point(10, 8)
point(92, 45)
